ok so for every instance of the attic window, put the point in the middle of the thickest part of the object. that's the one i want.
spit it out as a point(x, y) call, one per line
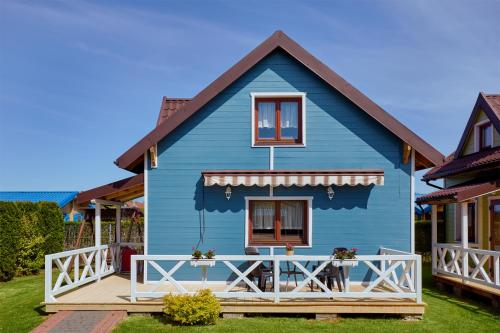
point(278, 120)
point(485, 136)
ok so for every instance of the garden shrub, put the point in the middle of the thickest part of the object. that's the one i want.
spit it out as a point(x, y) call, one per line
point(51, 224)
point(8, 240)
point(28, 231)
point(200, 309)
point(31, 245)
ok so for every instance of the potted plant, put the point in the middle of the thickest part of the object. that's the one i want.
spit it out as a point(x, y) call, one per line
point(203, 259)
point(197, 254)
point(210, 254)
point(289, 249)
point(345, 257)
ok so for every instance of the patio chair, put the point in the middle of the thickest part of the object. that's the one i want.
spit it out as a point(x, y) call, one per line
point(261, 272)
point(331, 274)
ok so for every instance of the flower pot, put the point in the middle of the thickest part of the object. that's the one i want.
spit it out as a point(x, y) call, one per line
point(289, 252)
point(345, 262)
point(202, 262)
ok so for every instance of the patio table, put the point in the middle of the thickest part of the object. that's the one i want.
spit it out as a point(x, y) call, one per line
point(346, 265)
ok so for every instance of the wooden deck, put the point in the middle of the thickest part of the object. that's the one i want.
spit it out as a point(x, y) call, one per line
point(476, 288)
point(112, 293)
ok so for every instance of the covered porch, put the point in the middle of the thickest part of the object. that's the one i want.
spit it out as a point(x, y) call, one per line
point(466, 265)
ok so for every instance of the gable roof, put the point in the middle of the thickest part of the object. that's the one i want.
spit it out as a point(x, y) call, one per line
point(490, 105)
point(426, 155)
point(61, 198)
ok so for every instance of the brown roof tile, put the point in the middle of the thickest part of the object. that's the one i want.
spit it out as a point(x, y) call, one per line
point(481, 160)
point(459, 193)
point(169, 106)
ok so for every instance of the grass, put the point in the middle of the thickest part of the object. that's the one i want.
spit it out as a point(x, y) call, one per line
point(20, 311)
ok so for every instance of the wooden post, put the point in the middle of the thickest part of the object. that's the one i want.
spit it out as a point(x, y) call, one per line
point(118, 229)
point(97, 242)
point(465, 239)
point(118, 236)
point(434, 209)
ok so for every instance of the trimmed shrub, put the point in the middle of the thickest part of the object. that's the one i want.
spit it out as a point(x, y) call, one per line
point(200, 309)
point(28, 231)
point(9, 237)
point(51, 224)
point(31, 244)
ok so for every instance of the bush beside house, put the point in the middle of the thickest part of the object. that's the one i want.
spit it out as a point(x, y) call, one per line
point(200, 309)
point(28, 231)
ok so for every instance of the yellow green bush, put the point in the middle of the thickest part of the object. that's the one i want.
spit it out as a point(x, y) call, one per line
point(200, 309)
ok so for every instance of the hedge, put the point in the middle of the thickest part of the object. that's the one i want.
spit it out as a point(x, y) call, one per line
point(28, 231)
point(423, 236)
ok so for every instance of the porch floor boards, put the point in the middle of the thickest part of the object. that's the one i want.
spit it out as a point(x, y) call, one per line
point(112, 293)
point(477, 288)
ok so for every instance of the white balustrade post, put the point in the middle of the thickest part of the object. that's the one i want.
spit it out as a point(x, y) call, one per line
point(496, 270)
point(76, 268)
point(48, 280)
point(97, 244)
point(465, 239)
point(276, 279)
point(418, 278)
point(434, 237)
point(133, 278)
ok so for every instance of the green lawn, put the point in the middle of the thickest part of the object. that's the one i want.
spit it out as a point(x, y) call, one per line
point(20, 312)
point(20, 308)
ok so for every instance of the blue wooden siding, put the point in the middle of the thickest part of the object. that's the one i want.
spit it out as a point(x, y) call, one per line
point(339, 135)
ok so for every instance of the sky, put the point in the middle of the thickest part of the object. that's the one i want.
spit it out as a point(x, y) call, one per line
point(82, 81)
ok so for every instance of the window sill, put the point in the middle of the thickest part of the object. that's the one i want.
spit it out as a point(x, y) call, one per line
point(280, 145)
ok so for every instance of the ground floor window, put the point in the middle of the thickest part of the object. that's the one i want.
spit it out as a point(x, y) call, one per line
point(277, 222)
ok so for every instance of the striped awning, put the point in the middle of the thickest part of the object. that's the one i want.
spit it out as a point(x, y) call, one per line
point(293, 177)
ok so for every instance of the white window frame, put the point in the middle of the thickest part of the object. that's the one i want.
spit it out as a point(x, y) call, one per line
point(477, 135)
point(309, 200)
point(302, 95)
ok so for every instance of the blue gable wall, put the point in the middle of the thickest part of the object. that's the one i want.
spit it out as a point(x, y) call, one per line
point(339, 135)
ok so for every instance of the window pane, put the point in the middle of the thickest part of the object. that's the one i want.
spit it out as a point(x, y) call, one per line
point(486, 136)
point(267, 122)
point(263, 219)
point(471, 220)
point(292, 219)
point(289, 120)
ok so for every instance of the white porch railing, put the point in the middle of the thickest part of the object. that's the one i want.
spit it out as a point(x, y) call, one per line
point(483, 265)
point(78, 267)
point(396, 274)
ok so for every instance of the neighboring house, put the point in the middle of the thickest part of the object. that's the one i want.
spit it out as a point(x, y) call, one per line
point(64, 199)
point(278, 149)
point(471, 198)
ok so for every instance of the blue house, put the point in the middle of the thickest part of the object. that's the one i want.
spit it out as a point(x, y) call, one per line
point(279, 149)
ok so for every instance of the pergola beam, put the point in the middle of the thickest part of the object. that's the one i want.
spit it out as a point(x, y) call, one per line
point(107, 202)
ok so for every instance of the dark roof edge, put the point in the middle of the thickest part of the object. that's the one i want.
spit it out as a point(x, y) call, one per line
point(100, 191)
point(130, 158)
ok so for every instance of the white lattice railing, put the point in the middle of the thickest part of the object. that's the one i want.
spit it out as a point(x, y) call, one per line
point(483, 266)
point(77, 267)
point(394, 274)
